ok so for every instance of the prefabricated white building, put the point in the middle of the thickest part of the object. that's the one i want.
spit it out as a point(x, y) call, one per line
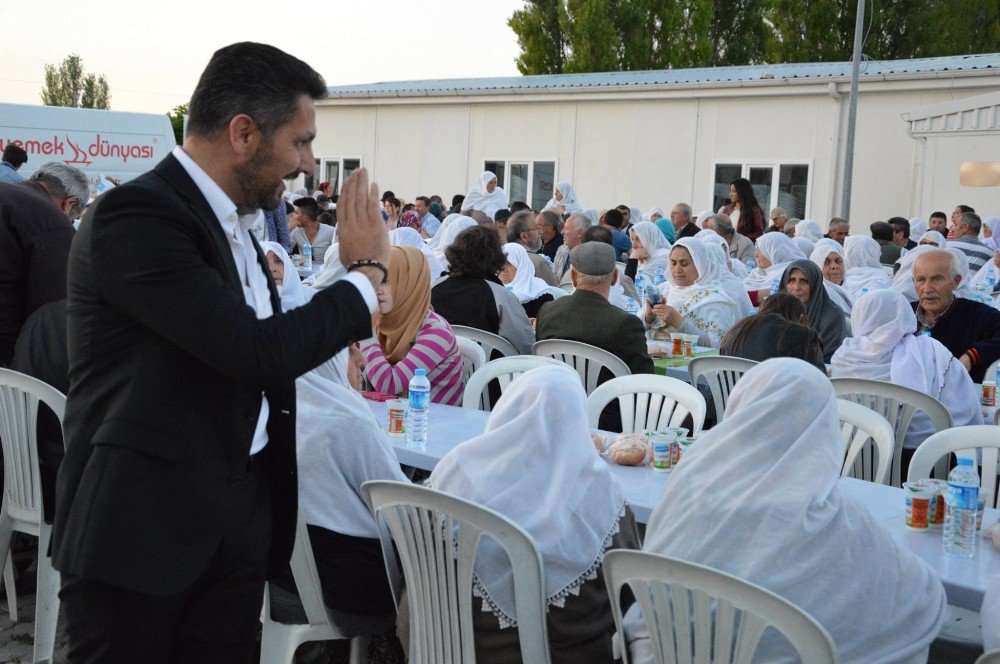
point(655, 138)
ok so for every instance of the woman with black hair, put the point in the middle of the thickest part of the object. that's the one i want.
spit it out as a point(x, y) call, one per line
point(472, 294)
point(779, 329)
point(745, 213)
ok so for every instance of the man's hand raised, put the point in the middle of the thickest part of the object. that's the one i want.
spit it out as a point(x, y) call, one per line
point(360, 230)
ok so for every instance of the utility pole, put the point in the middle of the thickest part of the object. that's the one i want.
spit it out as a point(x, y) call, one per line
point(859, 25)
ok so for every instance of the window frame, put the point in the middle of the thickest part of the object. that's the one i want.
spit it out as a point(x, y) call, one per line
point(775, 166)
point(531, 173)
point(321, 166)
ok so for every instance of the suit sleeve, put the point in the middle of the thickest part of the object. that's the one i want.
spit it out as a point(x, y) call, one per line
point(150, 265)
point(632, 346)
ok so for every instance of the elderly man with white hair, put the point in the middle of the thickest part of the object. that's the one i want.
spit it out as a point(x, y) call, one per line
point(523, 229)
point(970, 330)
point(740, 246)
point(572, 232)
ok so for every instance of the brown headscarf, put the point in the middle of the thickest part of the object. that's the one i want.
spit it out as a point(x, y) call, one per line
point(409, 278)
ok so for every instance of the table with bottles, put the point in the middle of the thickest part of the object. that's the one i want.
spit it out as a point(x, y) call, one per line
point(964, 579)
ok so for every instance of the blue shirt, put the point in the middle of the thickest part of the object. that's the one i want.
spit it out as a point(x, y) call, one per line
point(430, 224)
point(8, 173)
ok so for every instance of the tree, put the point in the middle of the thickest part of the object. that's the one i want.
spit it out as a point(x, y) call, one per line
point(66, 84)
point(539, 34)
point(177, 121)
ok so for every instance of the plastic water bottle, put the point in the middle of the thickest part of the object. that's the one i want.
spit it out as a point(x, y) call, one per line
point(751, 263)
point(640, 287)
point(658, 277)
point(961, 501)
point(991, 278)
point(307, 255)
point(631, 306)
point(420, 401)
point(774, 287)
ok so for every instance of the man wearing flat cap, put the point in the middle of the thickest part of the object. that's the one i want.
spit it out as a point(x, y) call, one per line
point(588, 317)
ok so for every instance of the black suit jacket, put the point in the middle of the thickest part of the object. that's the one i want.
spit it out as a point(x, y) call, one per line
point(167, 364)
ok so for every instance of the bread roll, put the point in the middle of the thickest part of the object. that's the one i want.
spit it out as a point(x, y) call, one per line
point(630, 449)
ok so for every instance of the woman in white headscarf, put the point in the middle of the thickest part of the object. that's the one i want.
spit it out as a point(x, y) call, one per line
point(485, 196)
point(774, 252)
point(702, 216)
point(918, 226)
point(804, 244)
point(592, 214)
point(902, 282)
point(883, 347)
point(286, 277)
point(407, 237)
point(965, 288)
point(730, 283)
point(695, 301)
point(565, 195)
point(536, 465)
point(934, 239)
point(650, 247)
point(828, 255)
point(991, 233)
point(861, 258)
point(655, 214)
point(452, 225)
point(519, 277)
point(809, 229)
point(758, 497)
point(734, 265)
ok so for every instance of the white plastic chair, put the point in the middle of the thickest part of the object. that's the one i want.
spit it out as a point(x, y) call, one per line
point(721, 373)
point(692, 612)
point(473, 357)
point(991, 657)
point(487, 340)
point(22, 497)
point(280, 641)
point(991, 371)
point(587, 360)
point(868, 442)
point(980, 441)
point(504, 371)
point(437, 536)
point(897, 404)
point(648, 403)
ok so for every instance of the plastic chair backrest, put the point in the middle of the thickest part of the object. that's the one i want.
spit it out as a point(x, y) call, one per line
point(19, 398)
point(721, 373)
point(897, 404)
point(587, 360)
point(504, 371)
point(473, 357)
point(868, 442)
point(490, 342)
point(698, 614)
point(991, 657)
point(437, 536)
point(648, 402)
point(979, 441)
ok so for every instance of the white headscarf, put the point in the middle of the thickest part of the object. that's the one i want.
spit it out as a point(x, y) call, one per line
point(809, 229)
point(729, 281)
point(592, 214)
point(702, 216)
point(452, 225)
point(705, 303)
point(937, 238)
point(884, 347)
point(758, 497)
point(478, 198)
point(635, 215)
point(804, 244)
point(333, 269)
point(734, 265)
point(408, 237)
point(526, 285)
point(780, 250)
point(902, 282)
point(656, 245)
point(965, 288)
point(536, 465)
point(656, 210)
point(293, 293)
point(840, 295)
point(569, 202)
point(993, 241)
point(340, 447)
point(862, 266)
point(918, 226)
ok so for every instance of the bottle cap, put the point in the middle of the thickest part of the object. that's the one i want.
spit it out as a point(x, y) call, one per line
point(964, 461)
point(421, 372)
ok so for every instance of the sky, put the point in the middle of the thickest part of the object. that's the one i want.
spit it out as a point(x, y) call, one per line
point(153, 52)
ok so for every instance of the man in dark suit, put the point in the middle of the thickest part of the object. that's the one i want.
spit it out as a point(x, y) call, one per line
point(587, 316)
point(178, 492)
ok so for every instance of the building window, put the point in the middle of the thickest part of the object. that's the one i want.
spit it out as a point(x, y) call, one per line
point(774, 185)
point(333, 170)
point(529, 181)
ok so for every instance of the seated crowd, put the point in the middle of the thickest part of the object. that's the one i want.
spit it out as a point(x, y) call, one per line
point(911, 305)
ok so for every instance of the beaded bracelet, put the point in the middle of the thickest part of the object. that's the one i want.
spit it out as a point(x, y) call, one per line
point(369, 262)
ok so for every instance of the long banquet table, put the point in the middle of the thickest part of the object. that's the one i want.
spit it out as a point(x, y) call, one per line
point(964, 580)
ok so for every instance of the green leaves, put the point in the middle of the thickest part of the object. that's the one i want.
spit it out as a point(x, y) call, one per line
point(66, 84)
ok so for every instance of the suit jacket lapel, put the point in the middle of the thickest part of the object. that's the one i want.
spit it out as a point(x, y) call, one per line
point(271, 286)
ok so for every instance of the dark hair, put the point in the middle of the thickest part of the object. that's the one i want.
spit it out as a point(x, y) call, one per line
point(517, 206)
point(437, 199)
point(387, 195)
point(614, 218)
point(881, 231)
point(779, 306)
point(457, 200)
point(624, 208)
point(900, 224)
point(392, 200)
point(599, 234)
point(787, 306)
point(252, 79)
point(965, 208)
point(475, 253)
point(426, 201)
point(308, 206)
point(15, 155)
point(744, 193)
point(551, 218)
point(502, 215)
point(942, 215)
point(407, 207)
point(327, 219)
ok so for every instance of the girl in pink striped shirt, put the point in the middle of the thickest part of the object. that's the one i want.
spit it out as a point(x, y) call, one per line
point(409, 336)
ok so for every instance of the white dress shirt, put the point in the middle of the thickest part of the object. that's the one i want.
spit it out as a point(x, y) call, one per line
point(255, 291)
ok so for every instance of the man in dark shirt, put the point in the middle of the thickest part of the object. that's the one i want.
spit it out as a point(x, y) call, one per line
point(680, 217)
point(901, 233)
point(549, 224)
point(882, 233)
point(969, 330)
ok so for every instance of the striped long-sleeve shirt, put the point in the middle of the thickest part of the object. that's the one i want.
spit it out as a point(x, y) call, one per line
point(434, 349)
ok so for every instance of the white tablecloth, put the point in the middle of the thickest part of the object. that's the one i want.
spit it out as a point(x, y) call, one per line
point(964, 579)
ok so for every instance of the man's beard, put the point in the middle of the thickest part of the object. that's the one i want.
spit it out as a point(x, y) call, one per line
point(257, 192)
point(536, 245)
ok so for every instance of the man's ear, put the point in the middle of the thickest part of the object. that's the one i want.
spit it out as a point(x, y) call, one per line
point(572, 275)
point(614, 277)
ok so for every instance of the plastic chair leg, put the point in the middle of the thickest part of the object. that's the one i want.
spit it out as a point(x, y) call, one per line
point(279, 642)
point(46, 600)
point(359, 649)
point(8, 582)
